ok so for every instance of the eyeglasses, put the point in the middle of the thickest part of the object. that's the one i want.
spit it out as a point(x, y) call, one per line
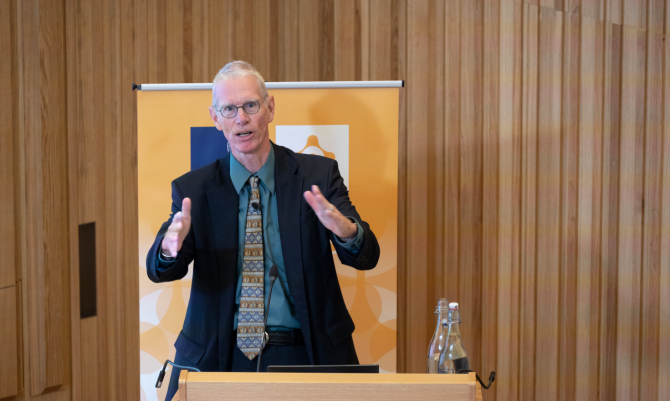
point(230, 110)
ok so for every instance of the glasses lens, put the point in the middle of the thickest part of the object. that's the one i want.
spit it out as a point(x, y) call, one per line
point(251, 107)
point(229, 111)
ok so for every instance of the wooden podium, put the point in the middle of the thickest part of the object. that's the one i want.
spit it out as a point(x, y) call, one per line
point(195, 386)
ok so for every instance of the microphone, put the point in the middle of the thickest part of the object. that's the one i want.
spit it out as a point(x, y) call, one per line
point(161, 374)
point(257, 206)
point(274, 272)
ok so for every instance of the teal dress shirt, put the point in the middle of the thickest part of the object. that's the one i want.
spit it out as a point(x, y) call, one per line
point(282, 314)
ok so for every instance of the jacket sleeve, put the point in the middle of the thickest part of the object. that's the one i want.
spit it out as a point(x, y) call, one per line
point(177, 269)
point(338, 194)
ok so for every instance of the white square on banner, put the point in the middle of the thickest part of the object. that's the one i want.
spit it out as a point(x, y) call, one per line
point(331, 141)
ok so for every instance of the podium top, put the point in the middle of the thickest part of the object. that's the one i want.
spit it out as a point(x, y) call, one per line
point(194, 386)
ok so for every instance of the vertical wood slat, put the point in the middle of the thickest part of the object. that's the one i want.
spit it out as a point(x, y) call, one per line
point(43, 84)
point(111, 323)
point(287, 36)
point(610, 207)
point(417, 169)
point(8, 343)
point(635, 13)
point(529, 201)
point(569, 207)
point(308, 40)
point(383, 40)
point(346, 40)
point(490, 172)
point(403, 356)
point(9, 282)
point(29, 14)
point(548, 206)
point(452, 144)
point(470, 235)
point(631, 176)
point(588, 223)
point(596, 227)
point(8, 121)
point(509, 92)
point(435, 172)
point(128, 295)
point(73, 102)
point(664, 273)
point(650, 297)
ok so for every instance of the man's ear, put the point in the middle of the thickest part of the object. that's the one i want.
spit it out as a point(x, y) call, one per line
point(271, 108)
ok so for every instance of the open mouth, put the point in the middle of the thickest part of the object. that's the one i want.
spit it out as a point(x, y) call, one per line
point(243, 134)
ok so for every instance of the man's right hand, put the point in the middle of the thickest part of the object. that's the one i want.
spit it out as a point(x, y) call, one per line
point(181, 224)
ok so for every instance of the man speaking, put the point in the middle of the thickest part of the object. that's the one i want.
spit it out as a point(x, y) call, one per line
point(260, 205)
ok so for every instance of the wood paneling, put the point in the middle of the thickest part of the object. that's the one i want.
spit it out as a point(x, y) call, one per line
point(8, 113)
point(534, 173)
point(9, 385)
point(41, 42)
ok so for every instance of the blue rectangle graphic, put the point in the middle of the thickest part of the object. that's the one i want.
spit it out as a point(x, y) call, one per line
point(207, 145)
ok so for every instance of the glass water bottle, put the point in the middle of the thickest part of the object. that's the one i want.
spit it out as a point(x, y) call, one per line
point(439, 337)
point(453, 357)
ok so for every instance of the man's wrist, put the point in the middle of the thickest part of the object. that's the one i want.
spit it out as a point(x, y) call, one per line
point(166, 258)
point(353, 234)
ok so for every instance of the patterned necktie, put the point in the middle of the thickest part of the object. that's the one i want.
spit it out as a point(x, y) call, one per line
point(252, 307)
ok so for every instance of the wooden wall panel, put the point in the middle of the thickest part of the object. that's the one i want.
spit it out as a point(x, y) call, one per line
point(418, 95)
point(506, 201)
point(569, 207)
point(469, 274)
point(651, 220)
point(631, 181)
point(588, 219)
point(44, 129)
point(103, 181)
point(529, 183)
point(452, 144)
point(491, 20)
point(8, 113)
point(9, 386)
point(664, 268)
point(548, 203)
point(534, 165)
point(610, 205)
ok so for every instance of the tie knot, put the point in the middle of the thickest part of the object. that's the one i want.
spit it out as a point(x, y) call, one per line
point(253, 181)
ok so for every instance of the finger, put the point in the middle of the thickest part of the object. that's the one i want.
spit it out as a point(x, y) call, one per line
point(311, 201)
point(323, 202)
point(186, 208)
point(175, 220)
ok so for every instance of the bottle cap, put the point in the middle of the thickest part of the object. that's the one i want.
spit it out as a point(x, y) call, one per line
point(453, 305)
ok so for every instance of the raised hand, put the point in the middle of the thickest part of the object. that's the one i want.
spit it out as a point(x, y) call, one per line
point(181, 224)
point(330, 217)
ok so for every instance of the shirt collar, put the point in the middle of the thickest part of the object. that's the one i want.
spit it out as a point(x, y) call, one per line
point(240, 175)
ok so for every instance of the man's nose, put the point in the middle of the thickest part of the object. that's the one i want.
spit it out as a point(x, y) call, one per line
point(242, 117)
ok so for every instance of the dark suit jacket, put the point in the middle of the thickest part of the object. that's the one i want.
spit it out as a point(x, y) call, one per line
point(207, 338)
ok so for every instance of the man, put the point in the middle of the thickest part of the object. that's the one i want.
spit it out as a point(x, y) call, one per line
point(260, 205)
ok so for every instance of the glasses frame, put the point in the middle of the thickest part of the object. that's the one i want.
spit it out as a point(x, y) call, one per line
point(237, 109)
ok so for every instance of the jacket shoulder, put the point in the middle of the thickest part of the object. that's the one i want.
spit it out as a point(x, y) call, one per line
point(200, 176)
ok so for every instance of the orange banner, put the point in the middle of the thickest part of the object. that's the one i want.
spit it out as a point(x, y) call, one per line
point(356, 126)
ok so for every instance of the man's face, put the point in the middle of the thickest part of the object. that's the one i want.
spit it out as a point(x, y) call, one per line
point(246, 133)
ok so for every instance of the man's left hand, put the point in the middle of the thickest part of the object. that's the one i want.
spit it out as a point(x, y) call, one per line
point(330, 217)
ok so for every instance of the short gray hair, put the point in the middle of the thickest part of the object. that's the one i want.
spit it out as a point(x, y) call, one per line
point(238, 69)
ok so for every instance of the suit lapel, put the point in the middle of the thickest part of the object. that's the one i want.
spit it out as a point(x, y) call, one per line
point(289, 184)
point(223, 203)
